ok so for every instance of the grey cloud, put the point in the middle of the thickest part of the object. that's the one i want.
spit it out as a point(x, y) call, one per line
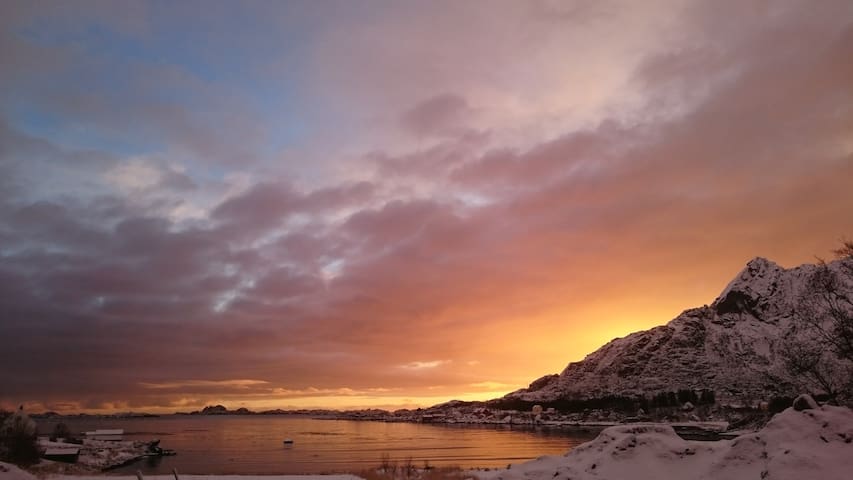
point(439, 115)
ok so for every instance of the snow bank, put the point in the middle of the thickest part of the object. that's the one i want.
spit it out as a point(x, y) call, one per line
point(206, 477)
point(794, 445)
point(11, 472)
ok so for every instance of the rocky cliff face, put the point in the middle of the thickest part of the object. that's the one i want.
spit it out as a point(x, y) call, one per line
point(731, 346)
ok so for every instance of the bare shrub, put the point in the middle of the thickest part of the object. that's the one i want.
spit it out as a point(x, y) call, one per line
point(18, 439)
point(390, 470)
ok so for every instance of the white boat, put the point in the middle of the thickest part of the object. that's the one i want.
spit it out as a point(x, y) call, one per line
point(105, 434)
point(288, 441)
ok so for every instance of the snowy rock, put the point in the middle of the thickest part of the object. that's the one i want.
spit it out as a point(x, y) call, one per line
point(542, 382)
point(804, 402)
point(792, 446)
point(757, 283)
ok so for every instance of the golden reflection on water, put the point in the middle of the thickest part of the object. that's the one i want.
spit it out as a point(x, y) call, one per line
point(254, 444)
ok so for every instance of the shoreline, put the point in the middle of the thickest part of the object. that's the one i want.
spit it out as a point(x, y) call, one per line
point(813, 436)
point(809, 442)
point(107, 457)
point(54, 469)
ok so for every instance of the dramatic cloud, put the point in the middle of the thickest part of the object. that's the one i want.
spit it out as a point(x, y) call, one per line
point(396, 206)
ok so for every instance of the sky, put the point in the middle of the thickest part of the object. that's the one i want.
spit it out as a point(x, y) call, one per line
point(338, 204)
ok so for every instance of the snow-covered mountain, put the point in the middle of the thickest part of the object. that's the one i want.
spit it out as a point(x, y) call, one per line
point(731, 346)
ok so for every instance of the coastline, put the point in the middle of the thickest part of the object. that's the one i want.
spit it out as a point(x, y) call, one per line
point(812, 442)
point(120, 457)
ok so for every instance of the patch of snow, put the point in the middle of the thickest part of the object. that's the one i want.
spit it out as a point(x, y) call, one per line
point(804, 402)
point(12, 472)
point(205, 477)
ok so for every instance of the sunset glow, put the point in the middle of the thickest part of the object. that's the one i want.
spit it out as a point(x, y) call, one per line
point(393, 204)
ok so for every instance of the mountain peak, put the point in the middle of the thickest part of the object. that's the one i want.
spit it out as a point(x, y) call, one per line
point(753, 286)
point(757, 273)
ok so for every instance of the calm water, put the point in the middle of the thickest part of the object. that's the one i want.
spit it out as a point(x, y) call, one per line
point(253, 445)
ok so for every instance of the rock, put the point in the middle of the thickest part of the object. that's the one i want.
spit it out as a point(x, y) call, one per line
point(214, 410)
point(542, 382)
point(735, 302)
point(804, 402)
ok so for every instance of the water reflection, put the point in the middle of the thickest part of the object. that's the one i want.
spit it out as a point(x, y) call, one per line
point(254, 444)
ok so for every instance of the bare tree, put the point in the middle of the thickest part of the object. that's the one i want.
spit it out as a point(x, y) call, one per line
point(819, 347)
point(827, 305)
point(811, 367)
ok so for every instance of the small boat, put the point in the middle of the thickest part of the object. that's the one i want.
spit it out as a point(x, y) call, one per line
point(62, 454)
point(288, 441)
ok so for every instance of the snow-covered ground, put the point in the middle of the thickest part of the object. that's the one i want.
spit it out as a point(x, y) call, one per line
point(11, 472)
point(795, 445)
point(222, 477)
point(100, 454)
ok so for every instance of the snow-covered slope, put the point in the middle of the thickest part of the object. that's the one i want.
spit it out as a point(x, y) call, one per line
point(11, 472)
point(795, 445)
point(729, 347)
